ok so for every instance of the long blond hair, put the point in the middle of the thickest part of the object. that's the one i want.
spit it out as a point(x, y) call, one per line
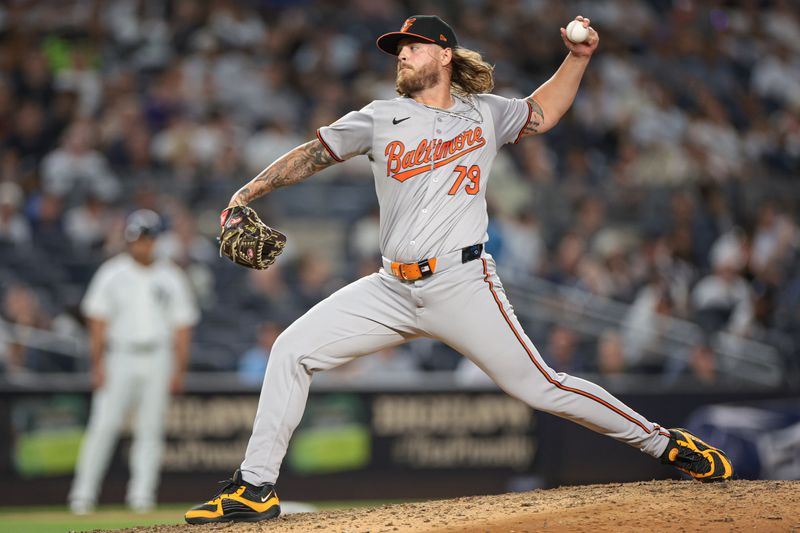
point(471, 74)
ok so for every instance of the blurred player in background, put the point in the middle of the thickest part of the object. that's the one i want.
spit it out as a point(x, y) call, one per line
point(140, 313)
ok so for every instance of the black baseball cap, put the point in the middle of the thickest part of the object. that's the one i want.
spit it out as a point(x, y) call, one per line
point(143, 223)
point(428, 28)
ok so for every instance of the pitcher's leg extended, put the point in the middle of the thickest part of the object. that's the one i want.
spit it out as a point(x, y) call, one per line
point(487, 331)
point(481, 324)
point(362, 318)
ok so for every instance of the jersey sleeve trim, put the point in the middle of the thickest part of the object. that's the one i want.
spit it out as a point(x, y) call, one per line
point(328, 148)
point(530, 112)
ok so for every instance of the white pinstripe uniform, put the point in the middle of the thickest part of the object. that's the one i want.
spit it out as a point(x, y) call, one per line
point(431, 169)
point(142, 307)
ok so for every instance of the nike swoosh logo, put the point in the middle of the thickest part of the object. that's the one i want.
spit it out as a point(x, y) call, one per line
point(396, 122)
point(268, 496)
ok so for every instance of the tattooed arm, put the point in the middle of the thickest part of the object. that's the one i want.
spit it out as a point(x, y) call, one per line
point(550, 101)
point(293, 167)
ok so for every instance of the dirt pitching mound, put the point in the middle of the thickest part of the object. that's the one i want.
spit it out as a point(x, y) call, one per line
point(647, 506)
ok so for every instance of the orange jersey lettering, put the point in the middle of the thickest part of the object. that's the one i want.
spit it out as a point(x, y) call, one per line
point(402, 164)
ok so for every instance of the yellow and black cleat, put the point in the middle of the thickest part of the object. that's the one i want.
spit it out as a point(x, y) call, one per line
point(238, 501)
point(692, 456)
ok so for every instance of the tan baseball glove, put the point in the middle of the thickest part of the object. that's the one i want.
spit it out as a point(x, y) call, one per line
point(247, 241)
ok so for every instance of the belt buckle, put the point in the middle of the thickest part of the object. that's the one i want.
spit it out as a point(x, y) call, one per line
point(411, 271)
point(414, 271)
point(405, 275)
point(399, 271)
point(425, 269)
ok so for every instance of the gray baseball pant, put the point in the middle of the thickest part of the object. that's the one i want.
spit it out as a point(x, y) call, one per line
point(465, 307)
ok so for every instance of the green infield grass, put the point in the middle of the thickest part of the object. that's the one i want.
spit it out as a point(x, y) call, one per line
point(58, 519)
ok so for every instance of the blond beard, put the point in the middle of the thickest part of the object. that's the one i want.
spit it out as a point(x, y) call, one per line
point(415, 81)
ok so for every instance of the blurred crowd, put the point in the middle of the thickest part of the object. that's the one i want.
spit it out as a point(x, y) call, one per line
point(670, 185)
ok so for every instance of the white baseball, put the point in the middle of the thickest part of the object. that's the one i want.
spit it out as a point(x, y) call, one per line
point(576, 32)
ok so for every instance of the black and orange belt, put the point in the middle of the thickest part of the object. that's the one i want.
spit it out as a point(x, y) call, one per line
point(425, 268)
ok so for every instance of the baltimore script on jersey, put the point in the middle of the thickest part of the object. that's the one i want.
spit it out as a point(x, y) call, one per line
point(402, 165)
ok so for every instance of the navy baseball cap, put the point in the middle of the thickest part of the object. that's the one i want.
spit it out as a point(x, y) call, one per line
point(427, 28)
point(143, 223)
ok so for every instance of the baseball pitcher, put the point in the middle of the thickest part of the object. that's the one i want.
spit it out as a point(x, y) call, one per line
point(431, 152)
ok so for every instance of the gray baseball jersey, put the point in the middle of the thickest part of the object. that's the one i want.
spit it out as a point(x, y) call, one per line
point(431, 169)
